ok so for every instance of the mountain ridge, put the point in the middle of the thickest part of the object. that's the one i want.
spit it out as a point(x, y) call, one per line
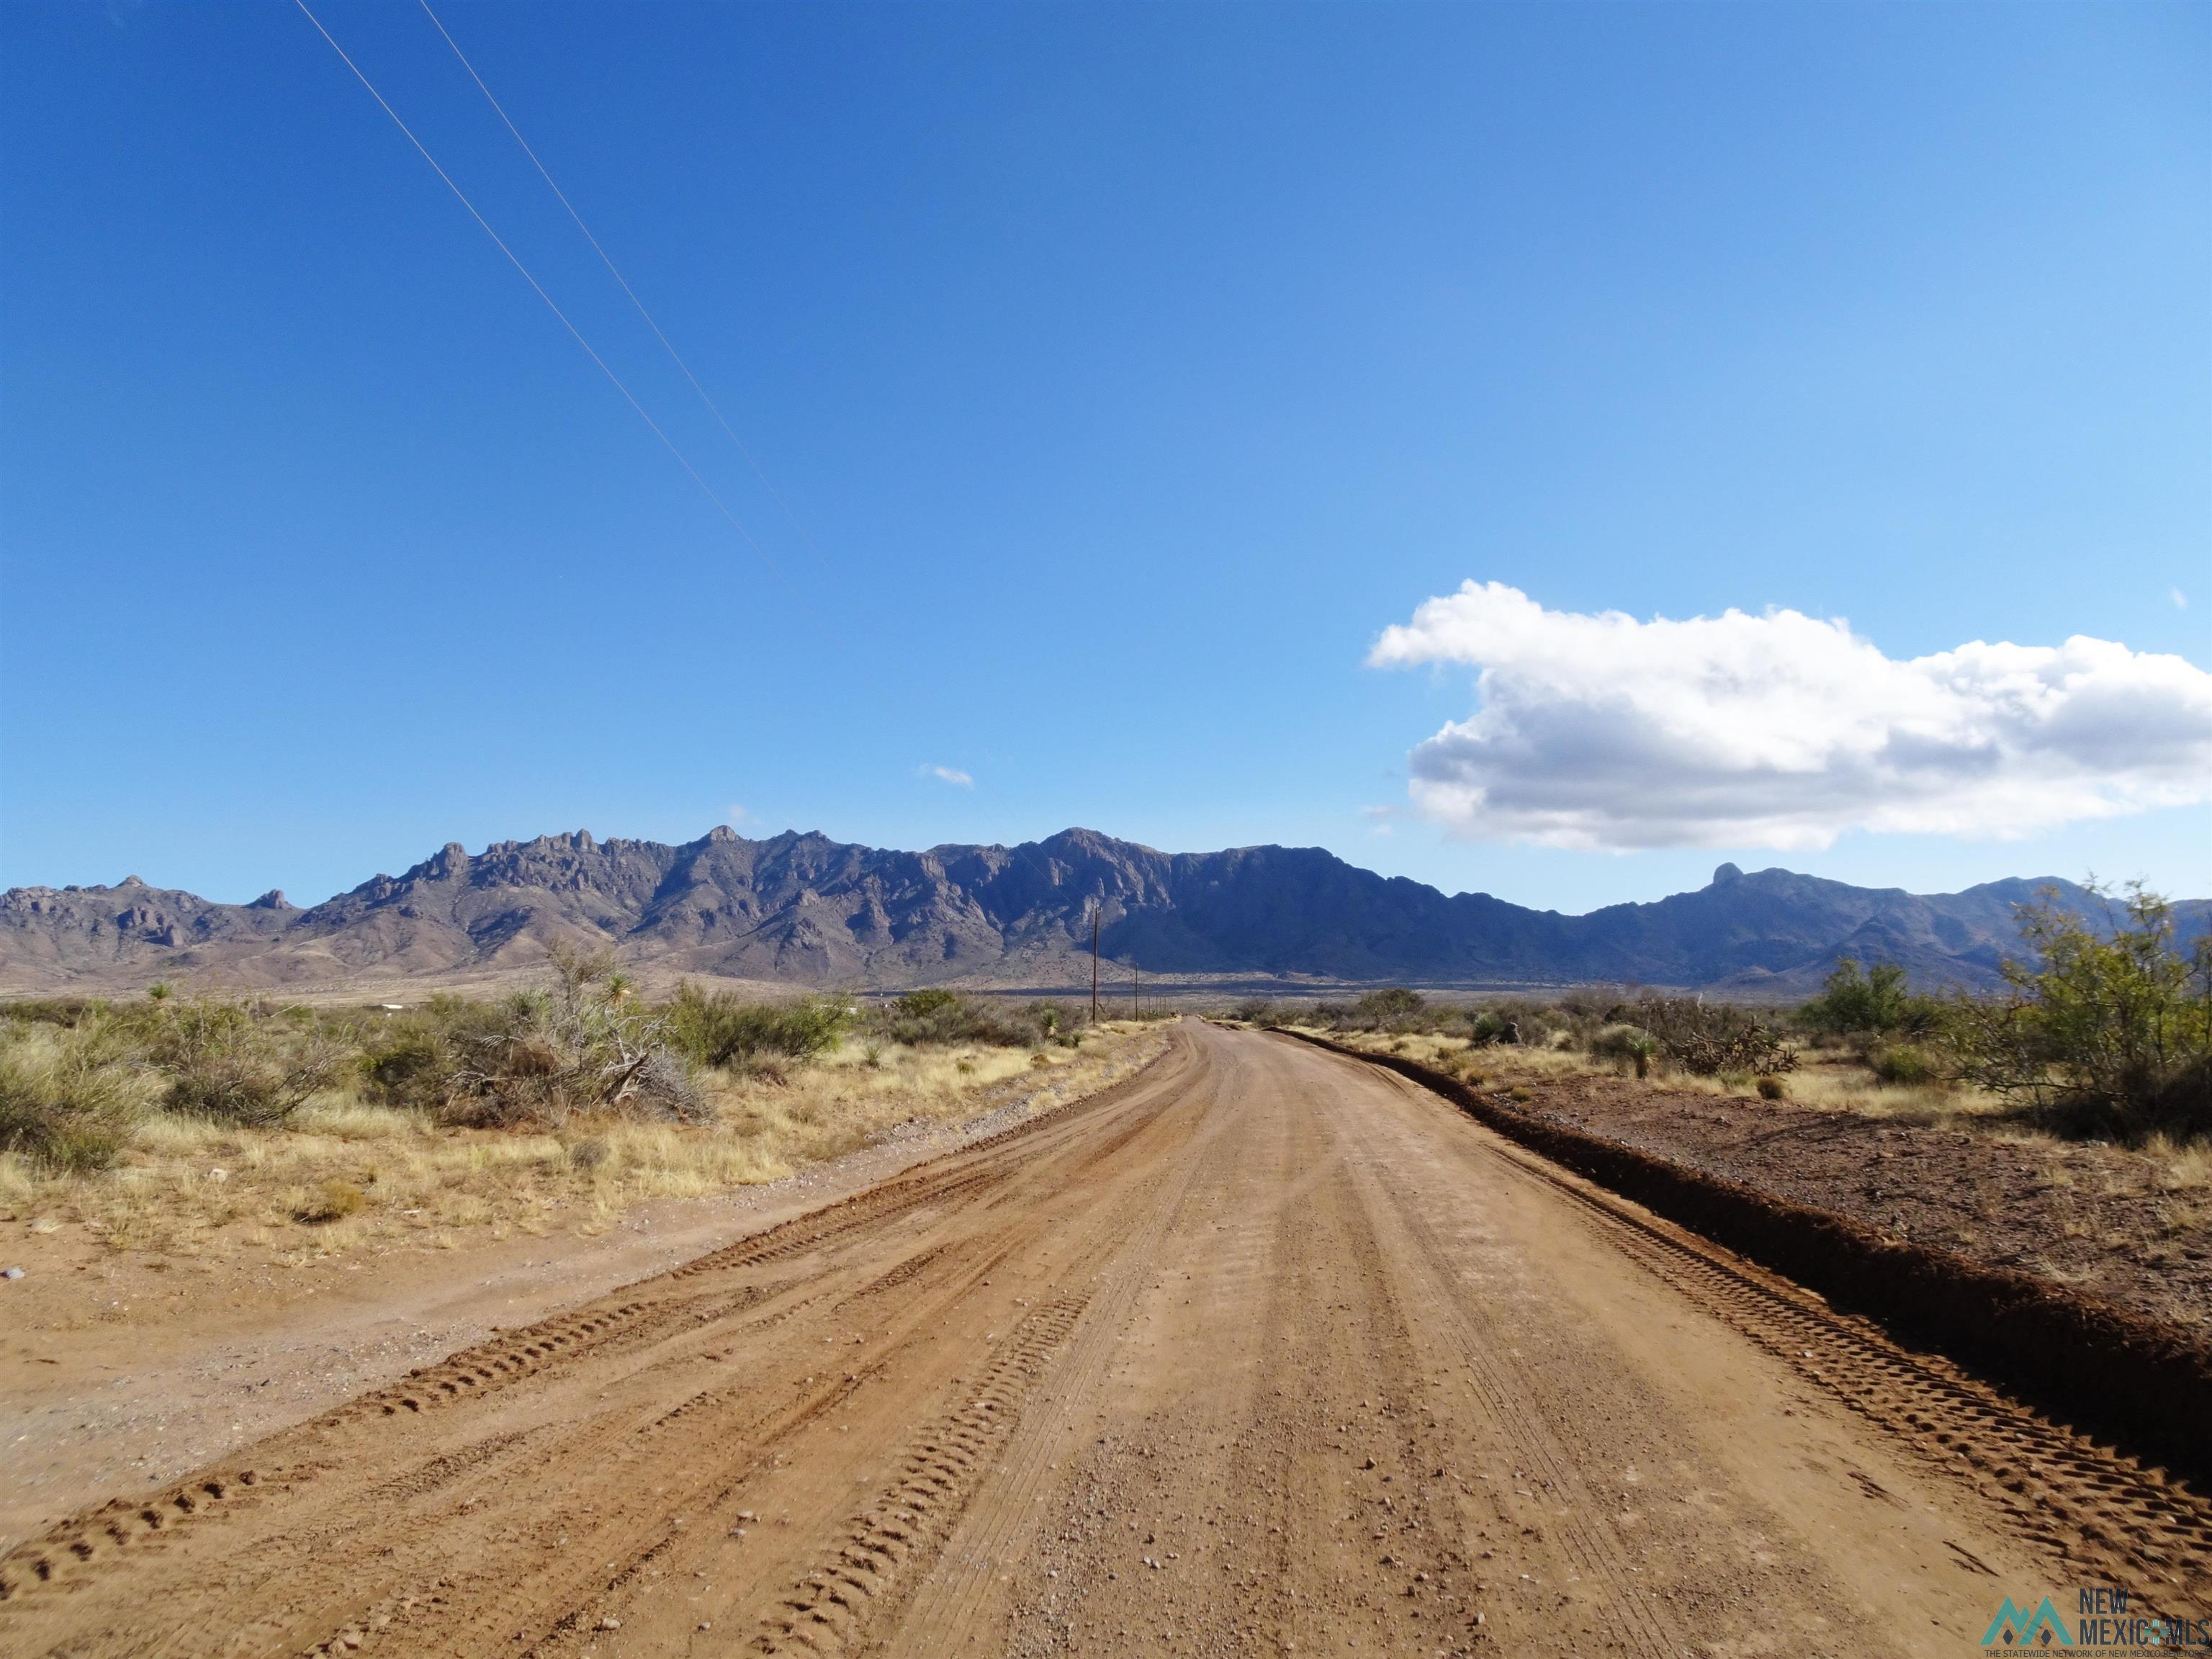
point(802, 909)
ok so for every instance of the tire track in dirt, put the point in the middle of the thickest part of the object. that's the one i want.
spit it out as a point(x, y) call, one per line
point(1300, 1324)
point(944, 1615)
point(827, 1610)
point(2085, 1502)
point(701, 1306)
point(1596, 1549)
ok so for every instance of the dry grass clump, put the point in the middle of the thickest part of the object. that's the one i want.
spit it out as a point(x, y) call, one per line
point(341, 1171)
point(65, 1102)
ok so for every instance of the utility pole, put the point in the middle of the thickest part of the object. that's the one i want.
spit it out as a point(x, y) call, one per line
point(1136, 1008)
point(1094, 964)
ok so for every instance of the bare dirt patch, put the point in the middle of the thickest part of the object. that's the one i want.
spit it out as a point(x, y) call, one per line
point(2132, 1228)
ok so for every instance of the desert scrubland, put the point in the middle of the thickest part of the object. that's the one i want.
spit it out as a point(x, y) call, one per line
point(578, 1322)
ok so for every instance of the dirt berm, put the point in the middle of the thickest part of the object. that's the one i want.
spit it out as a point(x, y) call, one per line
point(2107, 1371)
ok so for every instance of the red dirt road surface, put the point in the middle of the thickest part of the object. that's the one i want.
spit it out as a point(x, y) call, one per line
point(1264, 1352)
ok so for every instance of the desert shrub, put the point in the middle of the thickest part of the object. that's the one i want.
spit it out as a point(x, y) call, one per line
point(1769, 1087)
point(2108, 1031)
point(1537, 1024)
point(1392, 1007)
point(67, 1099)
point(1874, 1003)
point(929, 1016)
point(412, 1060)
point(411, 1067)
point(1591, 1002)
point(720, 1028)
point(1710, 1038)
point(70, 1013)
point(578, 1045)
point(1908, 1064)
point(1059, 1022)
point(1258, 1012)
point(1627, 1047)
point(234, 1062)
point(937, 1016)
point(1492, 1026)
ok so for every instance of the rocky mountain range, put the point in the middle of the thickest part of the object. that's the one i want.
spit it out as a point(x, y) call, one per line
point(804, 911)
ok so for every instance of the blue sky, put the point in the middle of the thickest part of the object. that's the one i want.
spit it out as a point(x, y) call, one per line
point(1128, 371)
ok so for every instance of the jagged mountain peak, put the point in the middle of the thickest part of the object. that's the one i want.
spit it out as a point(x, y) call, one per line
point(801, 908)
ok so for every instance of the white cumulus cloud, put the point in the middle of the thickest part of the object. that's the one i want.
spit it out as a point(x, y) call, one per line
point(950, 775)
point(1783, 730)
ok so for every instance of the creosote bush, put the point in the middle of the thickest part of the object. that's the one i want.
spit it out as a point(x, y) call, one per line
point(1873, 1004)
point(935, 1016)
point(233, 1062)
point(720, 1028)
point(2107, 1031)
point(1907, 1065)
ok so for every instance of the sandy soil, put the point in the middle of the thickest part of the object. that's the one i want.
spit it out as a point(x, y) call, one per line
point(119, 1370)
point(1264, 1352)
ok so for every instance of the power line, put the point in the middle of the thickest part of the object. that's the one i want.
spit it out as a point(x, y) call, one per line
point(461, 195)
point(615, 272)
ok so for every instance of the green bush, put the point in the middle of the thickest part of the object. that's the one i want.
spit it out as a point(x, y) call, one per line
point(413, 1060)
point(937, 1016)
point(1393, 1006)
point(1493, 1027)
point(1905, 1064)
point(237, 1063)
point(1871, 1004)
point(1629, 1048)
point(720, 1028)
point(2108, 1031)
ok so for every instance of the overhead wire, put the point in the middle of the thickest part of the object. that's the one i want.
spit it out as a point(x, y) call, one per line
point(615, 271)
point(461, 195)
point(576, 333)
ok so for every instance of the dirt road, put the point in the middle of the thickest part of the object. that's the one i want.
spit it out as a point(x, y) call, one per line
point(1265, 1352)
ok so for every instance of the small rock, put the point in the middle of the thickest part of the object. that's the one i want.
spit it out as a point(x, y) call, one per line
point(610, 1623)
point(11, 1272)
